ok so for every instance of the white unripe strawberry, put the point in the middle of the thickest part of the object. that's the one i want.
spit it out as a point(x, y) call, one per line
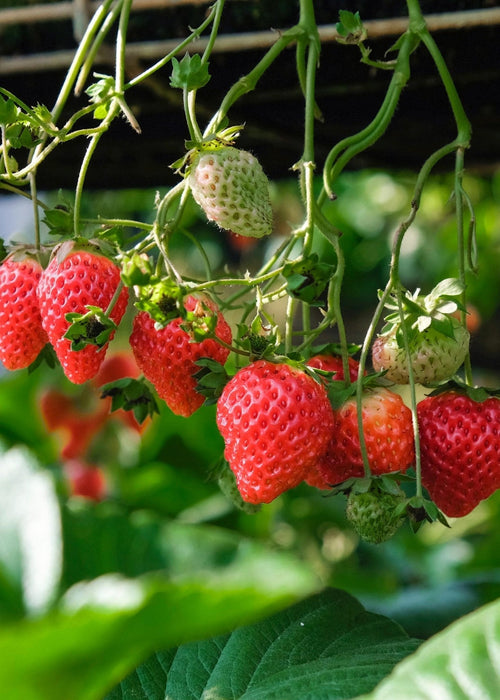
point(433, 356)
point(233, 190)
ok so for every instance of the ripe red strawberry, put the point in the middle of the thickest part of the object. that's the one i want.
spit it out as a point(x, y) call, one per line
point(460, 450)
point(85, 480)
point(433, 355)
point(329, 363)
point(77, 428)
point(69, 285)
point(388, 433)
point(22, 336)
point(232, 189)
point(333, 363)
point(276, 422)
point(167, 356)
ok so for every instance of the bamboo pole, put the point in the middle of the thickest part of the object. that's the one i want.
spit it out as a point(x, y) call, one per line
point(244, 41)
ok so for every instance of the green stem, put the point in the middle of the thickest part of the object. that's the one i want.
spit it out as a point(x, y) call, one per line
point(36, 217)
point(345, 150)
point(166, 59)
point(113, 110)
point(96, 45)
point(189, 99)
point(461, 244)
point(290, 314)
point(413, 395)
point(121, 44)
point(218, 9)
point(248, 82)
point(83, 48)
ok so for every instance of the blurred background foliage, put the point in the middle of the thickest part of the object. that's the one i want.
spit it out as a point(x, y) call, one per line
point(424, 581)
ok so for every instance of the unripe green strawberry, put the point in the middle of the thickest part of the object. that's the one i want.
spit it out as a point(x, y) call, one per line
point(68, 285)
point(433, 355)
point(232, 189)
point(276, 421)
point(372, 514)
point(22, 336)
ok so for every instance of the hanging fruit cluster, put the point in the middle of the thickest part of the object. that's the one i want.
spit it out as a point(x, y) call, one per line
point(288, 411)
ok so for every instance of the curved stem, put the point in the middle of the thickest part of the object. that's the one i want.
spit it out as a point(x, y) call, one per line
point(413, 395)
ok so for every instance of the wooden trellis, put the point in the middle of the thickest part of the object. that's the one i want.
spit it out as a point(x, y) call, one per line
point(80, 11)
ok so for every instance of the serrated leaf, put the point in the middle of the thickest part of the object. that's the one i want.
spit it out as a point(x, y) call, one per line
point(339, 392)
point(313, 650)
point(199, 581)
point(9, 112)
point(189, 73)
point(133, 395)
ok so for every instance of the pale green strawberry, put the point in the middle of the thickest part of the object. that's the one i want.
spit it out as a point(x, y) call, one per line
point(437, 342)
point(433, 355)
point(373, 514)
point(233, 190)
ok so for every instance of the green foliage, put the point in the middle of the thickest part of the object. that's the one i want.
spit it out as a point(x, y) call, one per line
point(84, 631)
point(459, 661)
point(313, 650)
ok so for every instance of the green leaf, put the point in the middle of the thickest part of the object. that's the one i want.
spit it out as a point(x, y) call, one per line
point(103, 628)
point(131, 395)
point(307, 279)
point(30, 535)
point(350, 28)
point(59, 220)
point(460, 662)
point(326, 647)
point(449, 287)
point(189, 73)
point(91, 328)
point(9, 113)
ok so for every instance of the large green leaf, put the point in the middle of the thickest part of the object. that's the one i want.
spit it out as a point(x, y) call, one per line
point(104, 628)
point(460, 663)
point(148, 584)
point(327, 647)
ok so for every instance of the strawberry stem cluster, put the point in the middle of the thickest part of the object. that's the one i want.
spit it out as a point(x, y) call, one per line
point(273, 391)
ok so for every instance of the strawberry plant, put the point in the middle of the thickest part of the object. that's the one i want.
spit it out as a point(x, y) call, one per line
point(182, 413)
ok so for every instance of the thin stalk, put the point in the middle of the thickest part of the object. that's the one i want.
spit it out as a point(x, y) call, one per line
point(113, 110)
point(166, 59)
point(36, 217)
point(461, 245)
point(248, 82)
point(290, 314)
point(413, 396)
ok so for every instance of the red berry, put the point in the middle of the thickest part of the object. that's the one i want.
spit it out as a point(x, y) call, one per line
point(460, 450)
point(167, 356)
point(86, 480)
point(276, 422)
point(329, 363)
point(333, 363)
point(61, 414)
point(82, 278)
point(388, 433)
point(22, 336)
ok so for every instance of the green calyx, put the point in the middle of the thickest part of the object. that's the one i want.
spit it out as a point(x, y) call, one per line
point(421, 312)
